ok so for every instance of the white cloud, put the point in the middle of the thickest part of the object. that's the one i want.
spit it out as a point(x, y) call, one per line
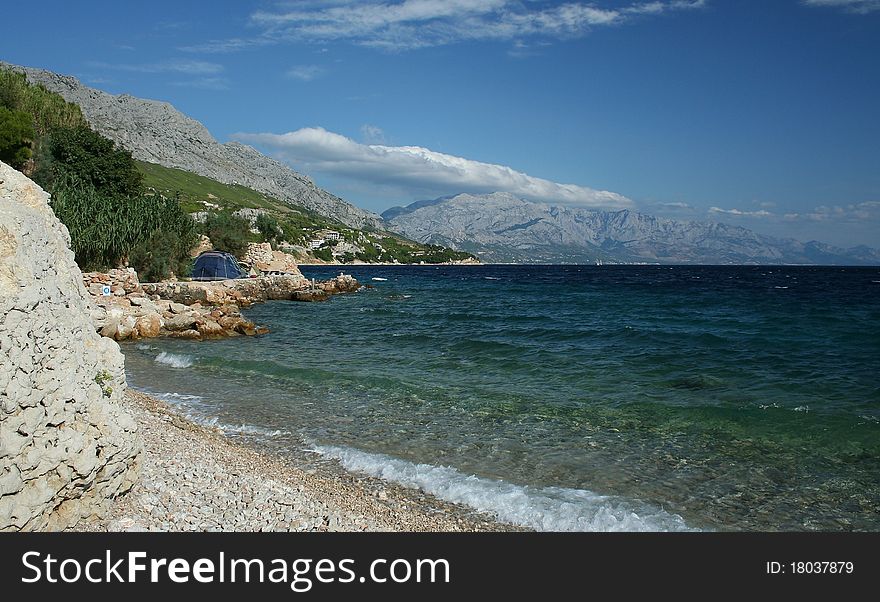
point(855, 212)
point(188, 67)
point(305, 73)
point(408, 24)
point(205, 83)
point(372, 134)
point(853, 6)
point(740, 213)
point(418, 169)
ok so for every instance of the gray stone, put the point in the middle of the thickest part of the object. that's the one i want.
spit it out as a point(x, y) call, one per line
point(180, 322)
point(62, 382)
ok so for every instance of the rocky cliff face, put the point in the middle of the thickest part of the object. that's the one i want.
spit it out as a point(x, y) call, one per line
point(157, 132)
point(502, 228)
point(66, 446)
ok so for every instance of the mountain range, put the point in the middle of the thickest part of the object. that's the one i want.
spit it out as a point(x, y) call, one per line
point(497, 227)
point(502, 228)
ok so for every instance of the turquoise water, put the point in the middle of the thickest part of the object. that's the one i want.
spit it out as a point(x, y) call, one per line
point(565, 397)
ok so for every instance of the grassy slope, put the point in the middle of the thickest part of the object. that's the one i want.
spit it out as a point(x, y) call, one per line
point(194, 188)
point(296, 221)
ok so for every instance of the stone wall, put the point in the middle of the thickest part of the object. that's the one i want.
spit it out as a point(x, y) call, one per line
point(66, 446)
point(121, 282)
point(243, 291)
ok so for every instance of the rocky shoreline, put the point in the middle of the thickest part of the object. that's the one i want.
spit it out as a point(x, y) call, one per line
point(194, 478)
point(124, 308)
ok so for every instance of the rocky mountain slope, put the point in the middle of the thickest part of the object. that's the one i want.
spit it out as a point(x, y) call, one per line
point(502, 228)
point(156, 132)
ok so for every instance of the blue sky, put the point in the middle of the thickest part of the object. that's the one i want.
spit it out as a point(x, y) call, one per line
point(763, 113)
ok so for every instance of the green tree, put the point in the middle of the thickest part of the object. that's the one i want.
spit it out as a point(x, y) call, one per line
point(228, 232)
point(269, 228)
point(323, 253)
point(16, 137)
point(92, 159)
point(170, 235)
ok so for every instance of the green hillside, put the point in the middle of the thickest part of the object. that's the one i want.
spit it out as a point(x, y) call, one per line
point(299, 226)
point(194, 189)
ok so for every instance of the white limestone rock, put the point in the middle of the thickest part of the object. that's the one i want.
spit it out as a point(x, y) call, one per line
point(66, 446)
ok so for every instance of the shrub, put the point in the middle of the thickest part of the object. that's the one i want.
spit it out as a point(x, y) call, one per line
point(228, 232)
point(172, 233)
point(323, 253)
point(92, 159)
point(269, 228)
point(48, 110)
point(16, 137)
point(153, 233)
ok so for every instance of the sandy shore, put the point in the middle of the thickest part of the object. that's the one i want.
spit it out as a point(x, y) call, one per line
point(196, 479)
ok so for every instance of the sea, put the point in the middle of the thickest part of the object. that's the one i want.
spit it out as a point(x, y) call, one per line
point(567, 398)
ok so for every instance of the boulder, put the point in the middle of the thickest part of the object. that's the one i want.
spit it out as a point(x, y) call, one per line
point(187, 334)
point(55, 370)
point(210, 329)
point(180, 322)
point(177, 308)
point(148, 326)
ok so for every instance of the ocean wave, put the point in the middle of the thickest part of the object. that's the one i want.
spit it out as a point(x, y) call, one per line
point(232, 429)
point(188, 406)
point(176, 398)
point(174, 360)
point(545, 509)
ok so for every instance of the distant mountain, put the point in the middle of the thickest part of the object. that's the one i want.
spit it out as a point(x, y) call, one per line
point(500, 227)
point(156, 132)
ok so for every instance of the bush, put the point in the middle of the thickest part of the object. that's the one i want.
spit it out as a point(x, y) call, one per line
point(228, 232)
point(90, 158)
point(159, 255)
point(48, 110)
point(323, 253)
point(16, 137)
point(165, 250)
point(269, 228)
point(154, 234)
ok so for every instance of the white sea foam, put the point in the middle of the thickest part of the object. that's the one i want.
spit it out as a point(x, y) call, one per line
point(174, 360)
point(176, 397)
point(249, 429)
point(378, 279)
point(188, 406)
point(545, 509)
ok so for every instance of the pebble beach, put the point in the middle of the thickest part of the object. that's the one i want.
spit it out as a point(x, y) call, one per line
point(194, 478)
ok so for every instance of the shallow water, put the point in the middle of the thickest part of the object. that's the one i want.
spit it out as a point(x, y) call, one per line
point(566, 397)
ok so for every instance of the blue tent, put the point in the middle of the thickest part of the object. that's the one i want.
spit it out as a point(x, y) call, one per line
point(216, 265)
